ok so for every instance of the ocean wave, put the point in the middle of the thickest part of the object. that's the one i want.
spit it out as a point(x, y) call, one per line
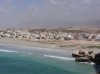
point(87, 63)
point(2, 50)
point(59, 57)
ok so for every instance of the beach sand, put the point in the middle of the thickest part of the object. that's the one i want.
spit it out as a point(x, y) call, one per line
point(66, 47)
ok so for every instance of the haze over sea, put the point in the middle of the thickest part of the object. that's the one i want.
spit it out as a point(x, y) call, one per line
point(20, 62)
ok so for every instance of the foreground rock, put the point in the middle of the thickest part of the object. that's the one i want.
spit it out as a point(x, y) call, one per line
point(82, 59)
point(83, 56)
point(97, 59)
point(88, 56)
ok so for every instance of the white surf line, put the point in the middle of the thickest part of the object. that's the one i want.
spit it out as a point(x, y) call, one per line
point(58, 57)
point(65, 58)
point(2, 50)
point(87, 63)
point(31, 48)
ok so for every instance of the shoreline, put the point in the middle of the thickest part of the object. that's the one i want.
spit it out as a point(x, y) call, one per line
point(47, 46)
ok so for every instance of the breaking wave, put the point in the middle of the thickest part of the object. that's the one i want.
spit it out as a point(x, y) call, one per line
point(59, 57)
point(2, 50)
point(65, 58)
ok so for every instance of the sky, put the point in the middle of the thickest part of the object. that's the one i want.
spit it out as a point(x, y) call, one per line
point(17, 12)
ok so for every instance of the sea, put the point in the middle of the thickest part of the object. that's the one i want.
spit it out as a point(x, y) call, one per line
point(16, 62)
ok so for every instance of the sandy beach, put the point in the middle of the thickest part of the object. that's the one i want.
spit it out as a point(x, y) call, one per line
point(64, 47)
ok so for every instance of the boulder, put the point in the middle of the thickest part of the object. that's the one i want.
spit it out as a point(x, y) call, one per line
point(76, 54)
point(80, 53)
point(83, 56)
point(82, 59)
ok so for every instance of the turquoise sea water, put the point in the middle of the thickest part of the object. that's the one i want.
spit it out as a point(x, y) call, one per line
point(17, 63)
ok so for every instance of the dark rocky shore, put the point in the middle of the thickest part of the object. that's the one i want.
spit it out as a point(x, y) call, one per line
point(97, 63)
point(88, 56)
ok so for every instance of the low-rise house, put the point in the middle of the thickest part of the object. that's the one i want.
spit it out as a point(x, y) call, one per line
point(97, 38)
point(1, 34)
point(7, 35)
point(70, 37)
point(50, 35)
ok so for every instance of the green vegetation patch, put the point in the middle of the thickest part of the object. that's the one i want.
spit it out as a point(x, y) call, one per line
point(94, 46)
point(66, 45)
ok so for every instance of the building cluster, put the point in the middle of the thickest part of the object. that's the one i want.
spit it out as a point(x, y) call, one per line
point(50, 35)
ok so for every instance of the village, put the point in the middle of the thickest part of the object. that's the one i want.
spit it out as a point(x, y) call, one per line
point(50, 34)
point(80, 38)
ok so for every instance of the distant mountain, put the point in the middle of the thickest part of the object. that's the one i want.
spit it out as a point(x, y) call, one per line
point(94, 23)
point(53, 24)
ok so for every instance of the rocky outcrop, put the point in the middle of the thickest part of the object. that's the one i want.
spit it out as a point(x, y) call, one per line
point(97, 59)
point(82, 59)
point(83, 56)
point(80, 53)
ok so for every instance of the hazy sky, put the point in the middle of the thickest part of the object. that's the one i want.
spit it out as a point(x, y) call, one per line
point(19, 11)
